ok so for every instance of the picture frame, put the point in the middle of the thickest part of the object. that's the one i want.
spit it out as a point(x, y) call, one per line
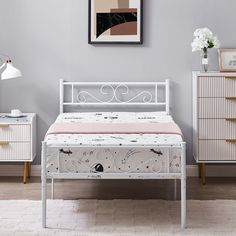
point(227, 59)
point(115, 22)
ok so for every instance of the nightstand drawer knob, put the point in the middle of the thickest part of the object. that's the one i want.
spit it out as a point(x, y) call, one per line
point(4, 125)
point(4, 143)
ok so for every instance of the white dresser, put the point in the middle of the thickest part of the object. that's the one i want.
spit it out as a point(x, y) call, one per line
point(18, 140)
point(214, 119)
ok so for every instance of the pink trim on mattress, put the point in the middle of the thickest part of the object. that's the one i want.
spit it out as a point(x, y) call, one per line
point(114, 128)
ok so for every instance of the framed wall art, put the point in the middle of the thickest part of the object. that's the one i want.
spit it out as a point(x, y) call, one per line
point(115, 21)
point(227, 60)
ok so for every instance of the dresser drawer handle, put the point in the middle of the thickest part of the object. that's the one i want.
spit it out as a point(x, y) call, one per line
point(4, 125)
point(230, 140)
point(230, 98)
point(230, 77)
point(231, 119)
point(2, 143)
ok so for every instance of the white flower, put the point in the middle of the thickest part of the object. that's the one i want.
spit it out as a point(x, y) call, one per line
point(198, 44)
point(216, 42)
point(203, 33)
point(204, 39)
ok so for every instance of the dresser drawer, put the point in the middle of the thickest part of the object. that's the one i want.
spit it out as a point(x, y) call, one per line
point(216, 86)
point(217, 129)
point(216, 150)
point(216, 108)
point(15, 133)
point(15, 151)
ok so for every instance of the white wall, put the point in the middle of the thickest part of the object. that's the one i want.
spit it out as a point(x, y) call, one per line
point(47, 39)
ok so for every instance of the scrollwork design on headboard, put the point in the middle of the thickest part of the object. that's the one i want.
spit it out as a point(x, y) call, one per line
point(147, 97)
point(113, 92)
point(82, 95)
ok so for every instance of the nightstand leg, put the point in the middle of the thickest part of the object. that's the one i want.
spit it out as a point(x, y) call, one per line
point(203, 173)
point(25, 172)
point(29, 169)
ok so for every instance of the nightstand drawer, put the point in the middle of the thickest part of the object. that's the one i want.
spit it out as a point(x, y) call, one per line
point(216, 86)
point(15, 132)
point(15, 151)
point(217, 128)
point(216, 108)
point(217, 150)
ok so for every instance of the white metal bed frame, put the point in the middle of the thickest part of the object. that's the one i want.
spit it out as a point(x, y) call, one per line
point(148, 99)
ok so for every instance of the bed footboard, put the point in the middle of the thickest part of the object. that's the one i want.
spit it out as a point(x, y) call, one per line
point(182, 176)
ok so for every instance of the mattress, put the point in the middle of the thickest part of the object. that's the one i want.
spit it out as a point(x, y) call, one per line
point(73, 157)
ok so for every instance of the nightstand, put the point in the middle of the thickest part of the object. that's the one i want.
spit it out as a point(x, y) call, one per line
point(18, 140)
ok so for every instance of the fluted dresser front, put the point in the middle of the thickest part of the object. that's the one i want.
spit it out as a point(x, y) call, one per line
point(214, 119)
point(18, 140)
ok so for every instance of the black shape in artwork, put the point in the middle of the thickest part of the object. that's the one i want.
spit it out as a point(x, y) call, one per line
point(107, 20)
point(69, 152)
point(159, 153)
point(98, 168)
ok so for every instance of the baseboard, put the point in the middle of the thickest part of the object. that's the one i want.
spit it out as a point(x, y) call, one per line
point(212, 170)
point(192, 170)
point(17, 170)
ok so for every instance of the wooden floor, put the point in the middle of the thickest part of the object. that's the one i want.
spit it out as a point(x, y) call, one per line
point(216, 188)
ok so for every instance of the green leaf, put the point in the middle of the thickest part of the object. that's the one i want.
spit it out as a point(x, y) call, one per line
point(210, 44)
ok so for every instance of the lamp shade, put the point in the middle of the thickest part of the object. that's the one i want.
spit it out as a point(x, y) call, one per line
point(10, 72)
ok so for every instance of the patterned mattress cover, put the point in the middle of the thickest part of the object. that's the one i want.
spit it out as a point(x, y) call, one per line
point(71, 159)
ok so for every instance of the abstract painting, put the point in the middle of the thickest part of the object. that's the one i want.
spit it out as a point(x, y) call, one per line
point(115, 21)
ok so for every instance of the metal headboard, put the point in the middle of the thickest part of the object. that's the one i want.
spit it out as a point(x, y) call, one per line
point(111, 91)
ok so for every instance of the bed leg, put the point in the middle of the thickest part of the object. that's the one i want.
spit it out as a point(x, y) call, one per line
point(175, 189)
point(52, 188)
point(44, 184)
point(183, 186)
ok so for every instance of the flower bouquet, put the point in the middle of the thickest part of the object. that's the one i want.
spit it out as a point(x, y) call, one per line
point(204, 39)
